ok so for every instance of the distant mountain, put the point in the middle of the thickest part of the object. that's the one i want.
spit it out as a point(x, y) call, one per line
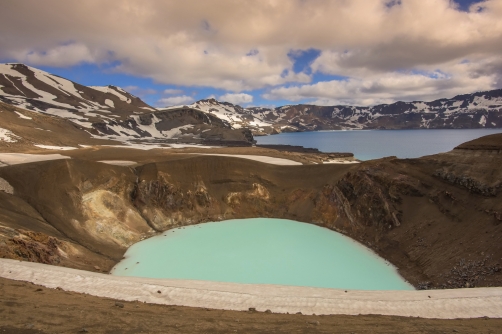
point(110, 112)
point(478, 110)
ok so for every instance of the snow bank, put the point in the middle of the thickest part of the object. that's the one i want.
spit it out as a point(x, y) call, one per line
point(438, 304)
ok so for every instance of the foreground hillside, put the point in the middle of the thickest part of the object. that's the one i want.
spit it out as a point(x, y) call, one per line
point(35, 309)
point(436, 218)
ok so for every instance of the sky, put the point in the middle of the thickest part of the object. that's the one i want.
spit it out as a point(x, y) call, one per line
point(263, 52)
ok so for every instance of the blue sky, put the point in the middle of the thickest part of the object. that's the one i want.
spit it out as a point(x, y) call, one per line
point(253, 53)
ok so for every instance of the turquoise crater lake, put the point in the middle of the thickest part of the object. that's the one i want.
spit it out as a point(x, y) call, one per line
point(261, 251)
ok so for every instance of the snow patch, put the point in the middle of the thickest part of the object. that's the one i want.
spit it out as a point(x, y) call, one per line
point(110, 90)
point(60, 148)
point(110, 103)
point(21, 115)
point(8, 136)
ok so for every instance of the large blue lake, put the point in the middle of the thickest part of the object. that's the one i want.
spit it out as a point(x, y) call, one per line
point(262, 251)
point(374, 144)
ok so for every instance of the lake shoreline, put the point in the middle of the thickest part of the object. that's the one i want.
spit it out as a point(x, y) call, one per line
point(263, 251)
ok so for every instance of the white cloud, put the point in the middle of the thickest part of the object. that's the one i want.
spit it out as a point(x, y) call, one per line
point(174, 101)
point(244, 45)
point(58, 56)
point(390, 87)
point(240, 98)
point(172, 91)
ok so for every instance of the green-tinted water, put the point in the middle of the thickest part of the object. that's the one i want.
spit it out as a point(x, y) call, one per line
point(261, 250)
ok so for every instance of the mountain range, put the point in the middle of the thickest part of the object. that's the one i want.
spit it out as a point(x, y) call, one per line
point(109, 112)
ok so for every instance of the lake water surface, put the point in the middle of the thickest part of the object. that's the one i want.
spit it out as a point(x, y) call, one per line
point(261, 250)
point(374, 144)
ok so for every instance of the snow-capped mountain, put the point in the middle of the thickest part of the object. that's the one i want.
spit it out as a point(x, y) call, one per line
point(111, 112)
point(478, 110)
point(108, 112)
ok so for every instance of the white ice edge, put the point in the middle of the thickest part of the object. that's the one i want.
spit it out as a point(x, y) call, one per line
point(440, 304)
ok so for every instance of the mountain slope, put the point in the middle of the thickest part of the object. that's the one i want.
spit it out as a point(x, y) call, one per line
point(109, 112)
point(478, 110)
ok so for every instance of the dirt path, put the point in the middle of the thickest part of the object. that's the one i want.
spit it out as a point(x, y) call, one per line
point(28, 308)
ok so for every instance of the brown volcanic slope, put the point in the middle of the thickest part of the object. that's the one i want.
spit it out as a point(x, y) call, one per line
point(436, 218)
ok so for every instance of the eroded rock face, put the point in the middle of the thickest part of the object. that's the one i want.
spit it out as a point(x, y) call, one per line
point(31, 246)
point(164, 205)
point(470, 183)
point(109, 216)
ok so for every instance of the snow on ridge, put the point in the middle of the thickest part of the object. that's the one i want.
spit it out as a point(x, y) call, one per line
point(63, 85)
point(110, 90)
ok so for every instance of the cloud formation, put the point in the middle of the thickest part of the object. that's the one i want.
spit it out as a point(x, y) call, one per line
point(241, 98)
point(405, 49)
point(171, 91)
point(174, 101)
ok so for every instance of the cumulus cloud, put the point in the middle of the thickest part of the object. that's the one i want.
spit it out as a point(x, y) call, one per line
point(58, 56)
point(246, 45)
point(172, 91)
point(174, 101)
point(240, 98)
point(390, 87)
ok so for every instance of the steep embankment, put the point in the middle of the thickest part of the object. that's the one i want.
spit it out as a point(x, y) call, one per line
point(436, 218)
